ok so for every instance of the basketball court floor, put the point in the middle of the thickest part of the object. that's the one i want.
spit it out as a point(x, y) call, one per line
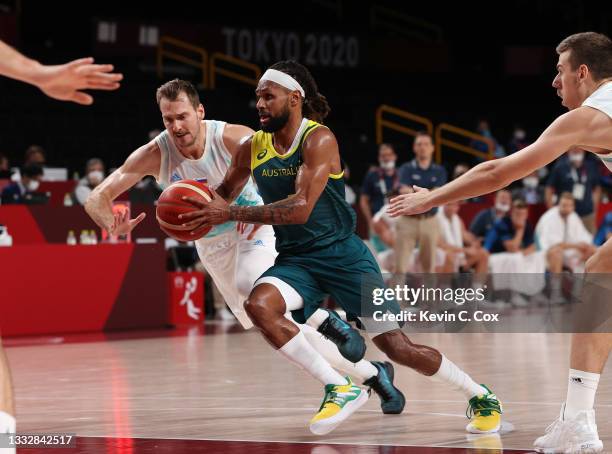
point(221, 389)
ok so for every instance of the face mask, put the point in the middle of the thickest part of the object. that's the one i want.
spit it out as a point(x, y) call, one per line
point(576, 158)
point(389, 165)
point(33, 185)
point(95, 177)
point(503, 207)
point(530, 182)
point(519, 134)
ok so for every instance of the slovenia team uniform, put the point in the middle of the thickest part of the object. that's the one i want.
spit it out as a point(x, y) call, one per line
point(323, 256)
point(233, 262)
point(601, 99)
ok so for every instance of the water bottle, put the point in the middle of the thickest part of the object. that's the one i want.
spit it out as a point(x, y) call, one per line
point(67, 200)
point(71, 240)
point(84, 237)
point(5, 238)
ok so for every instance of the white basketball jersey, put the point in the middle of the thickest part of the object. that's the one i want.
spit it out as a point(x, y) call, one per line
point(209, 169)
point(601, 99)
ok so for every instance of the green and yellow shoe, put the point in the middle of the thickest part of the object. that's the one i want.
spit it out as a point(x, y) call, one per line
point(340, 402)
point(484, 413)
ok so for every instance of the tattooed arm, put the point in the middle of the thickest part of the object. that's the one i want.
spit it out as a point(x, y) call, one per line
point(320, 158)
point(319, 149)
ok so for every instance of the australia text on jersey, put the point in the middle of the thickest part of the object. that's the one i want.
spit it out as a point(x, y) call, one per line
point(286, 171)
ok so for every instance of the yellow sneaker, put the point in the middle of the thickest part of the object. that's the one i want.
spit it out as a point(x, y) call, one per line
point(339, 402)
point(484, 413)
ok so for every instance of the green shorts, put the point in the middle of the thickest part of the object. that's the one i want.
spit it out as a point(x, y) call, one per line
point(345, 270)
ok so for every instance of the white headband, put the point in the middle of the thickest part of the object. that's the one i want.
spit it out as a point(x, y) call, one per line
point(284, 80)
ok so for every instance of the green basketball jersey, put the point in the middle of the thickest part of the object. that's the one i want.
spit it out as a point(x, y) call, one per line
point(331, 220)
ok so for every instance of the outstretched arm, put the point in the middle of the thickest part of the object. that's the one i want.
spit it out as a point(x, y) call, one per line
point(319, 150)
point(144, 161)
point(566, 131)
point(61, 82)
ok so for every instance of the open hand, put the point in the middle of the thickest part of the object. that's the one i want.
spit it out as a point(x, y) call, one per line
point(63, 82)
point(122, 223)
point(416, 202)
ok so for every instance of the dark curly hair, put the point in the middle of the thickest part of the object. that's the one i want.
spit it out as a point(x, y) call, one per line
point(315, 106)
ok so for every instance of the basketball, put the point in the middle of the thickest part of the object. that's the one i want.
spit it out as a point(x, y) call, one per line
point(171, 204)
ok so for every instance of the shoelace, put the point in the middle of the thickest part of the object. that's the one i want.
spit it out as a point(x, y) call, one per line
point(337, 398)
point(338, 332)
point(382, 389)
point(552, 426)
point(483, 406)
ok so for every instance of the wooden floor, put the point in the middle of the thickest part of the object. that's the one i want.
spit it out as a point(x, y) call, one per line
point(232, 386)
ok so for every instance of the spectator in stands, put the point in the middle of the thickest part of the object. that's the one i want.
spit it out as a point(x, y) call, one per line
point(531, 192)
point(460, 169)
point(578, 175)
point(463, 249)
point(34, 154)
point(422, 172)
point(562, 235)
point(514, 262)
point(605, 230)
point(5, 169)
point(384, 228)
point(484, 220)
point(16, 192)
point(377, 186)
point(513, 233)
point(483, 145)
point(94, 174)
point(519, 140)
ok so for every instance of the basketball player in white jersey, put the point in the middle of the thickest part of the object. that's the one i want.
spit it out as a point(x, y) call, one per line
point(584, 83)
point(61, 82)
point(198, 149)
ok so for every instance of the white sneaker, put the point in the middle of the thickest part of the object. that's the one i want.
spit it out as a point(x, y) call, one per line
point(572, 436)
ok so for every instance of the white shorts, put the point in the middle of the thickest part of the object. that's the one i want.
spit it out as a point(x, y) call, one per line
point(235, 263)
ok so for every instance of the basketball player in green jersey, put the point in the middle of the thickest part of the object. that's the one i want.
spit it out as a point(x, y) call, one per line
point(295, 163)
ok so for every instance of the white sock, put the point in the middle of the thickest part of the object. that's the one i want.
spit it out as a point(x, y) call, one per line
point(8, 423)
point(450, 374)
point(317, 318)
point(301, 353)
point(581, 390)
point(361, 371)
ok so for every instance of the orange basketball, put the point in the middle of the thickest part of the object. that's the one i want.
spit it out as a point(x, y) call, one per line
point(170, 204)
